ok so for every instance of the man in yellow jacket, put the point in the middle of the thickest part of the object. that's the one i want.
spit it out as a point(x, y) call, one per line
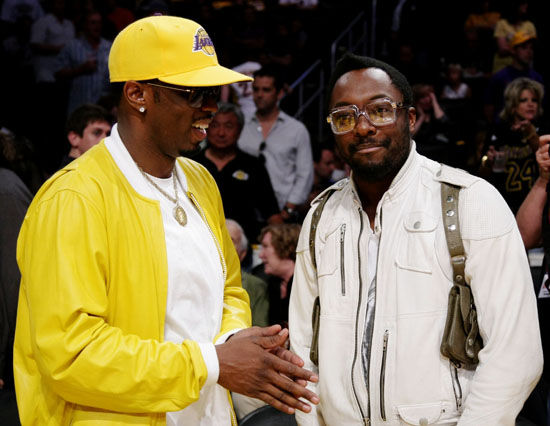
point(131, 309)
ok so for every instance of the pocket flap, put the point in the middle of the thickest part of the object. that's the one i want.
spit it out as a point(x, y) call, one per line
point(420, 414)
point(329, 229)
point(420, 222)
point(329, 247)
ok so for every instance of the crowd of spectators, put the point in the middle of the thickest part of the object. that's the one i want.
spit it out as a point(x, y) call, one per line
point(477, 71)
point(54, 55)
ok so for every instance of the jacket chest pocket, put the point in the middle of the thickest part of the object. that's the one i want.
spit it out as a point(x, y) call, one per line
point(417, 247)
point(332, 270)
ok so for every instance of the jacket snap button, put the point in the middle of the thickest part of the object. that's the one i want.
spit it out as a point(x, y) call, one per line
point(423, 421)
point(416, 225)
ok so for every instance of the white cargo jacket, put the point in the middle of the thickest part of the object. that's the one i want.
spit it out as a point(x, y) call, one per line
point(408, 381)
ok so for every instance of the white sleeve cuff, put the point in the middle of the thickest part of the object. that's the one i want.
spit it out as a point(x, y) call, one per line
point(210, 357)
point(223, 338)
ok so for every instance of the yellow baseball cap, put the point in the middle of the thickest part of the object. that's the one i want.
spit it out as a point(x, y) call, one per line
point(171, 49)
point(521, 37)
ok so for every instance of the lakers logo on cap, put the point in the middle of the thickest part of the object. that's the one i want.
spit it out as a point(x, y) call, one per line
point(203, 43)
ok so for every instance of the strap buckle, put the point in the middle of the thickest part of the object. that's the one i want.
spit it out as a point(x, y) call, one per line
point(458, 260)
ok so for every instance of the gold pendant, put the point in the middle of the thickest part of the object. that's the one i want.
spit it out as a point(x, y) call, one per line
point(180, 215)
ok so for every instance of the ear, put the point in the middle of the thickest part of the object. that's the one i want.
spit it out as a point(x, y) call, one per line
point(412, 118)
point(280, 94)
point(74, 139)
point(135, 95)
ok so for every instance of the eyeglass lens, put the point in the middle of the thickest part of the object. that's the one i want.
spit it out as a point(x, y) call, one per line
point(381, 113)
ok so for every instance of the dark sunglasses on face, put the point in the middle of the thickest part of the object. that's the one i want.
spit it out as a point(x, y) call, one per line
point(195, 96)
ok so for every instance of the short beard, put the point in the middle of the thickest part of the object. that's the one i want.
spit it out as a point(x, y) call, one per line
point(396, 156)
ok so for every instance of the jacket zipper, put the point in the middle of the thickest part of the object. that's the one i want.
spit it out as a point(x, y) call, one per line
point(222, 257)
point(383, 376)
point(373, 314)
point(342, 269)
point(457, 389)
point(365, 418)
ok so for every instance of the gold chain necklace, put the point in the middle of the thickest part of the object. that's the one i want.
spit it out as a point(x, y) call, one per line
point(179, 212)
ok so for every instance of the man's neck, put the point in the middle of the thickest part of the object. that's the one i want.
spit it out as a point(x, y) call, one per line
point(267, 120)
point(267, 116)
point(151, 161)
point(320, 180)
point(287, 270)
point(521, 66)
point(370, 194)
point(93, 41)
point(74, 153)
point(220, 157)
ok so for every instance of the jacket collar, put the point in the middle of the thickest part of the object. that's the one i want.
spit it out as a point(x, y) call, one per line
point(403, 178)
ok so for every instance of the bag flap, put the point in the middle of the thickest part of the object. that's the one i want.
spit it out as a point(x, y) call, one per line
point(420, 414)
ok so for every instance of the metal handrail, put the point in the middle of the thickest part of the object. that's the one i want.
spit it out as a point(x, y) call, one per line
point(349, 33)
point(319, 70)
point(317, 94)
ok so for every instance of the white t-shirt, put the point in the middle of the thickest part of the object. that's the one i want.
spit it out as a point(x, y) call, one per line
point(194, 303)
point(48, 30)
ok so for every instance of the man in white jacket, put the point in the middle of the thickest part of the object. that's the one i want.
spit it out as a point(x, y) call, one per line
point(384, 273)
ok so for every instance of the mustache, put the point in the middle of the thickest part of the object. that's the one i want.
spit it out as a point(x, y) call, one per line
point(368, 142)
point(208, 116)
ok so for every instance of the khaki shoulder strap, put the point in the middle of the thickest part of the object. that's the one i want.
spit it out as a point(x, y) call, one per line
point(449, 206)
point(314, 223)
point(316, 312)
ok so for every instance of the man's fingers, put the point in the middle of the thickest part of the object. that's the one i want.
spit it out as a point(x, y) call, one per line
point(544, 140)
point(291, 370)
point(301, 382)
point(259, 372)
point(288, 356)
point(271, 342)
point(275, 403)
point(293, 390)
point(284, 401)
point(258, 331)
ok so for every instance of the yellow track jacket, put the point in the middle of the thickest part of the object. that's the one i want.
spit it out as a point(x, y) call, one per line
point(89, 346)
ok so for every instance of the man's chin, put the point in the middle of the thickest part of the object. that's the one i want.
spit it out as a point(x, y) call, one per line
point(373, 173)
point(193, 152)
